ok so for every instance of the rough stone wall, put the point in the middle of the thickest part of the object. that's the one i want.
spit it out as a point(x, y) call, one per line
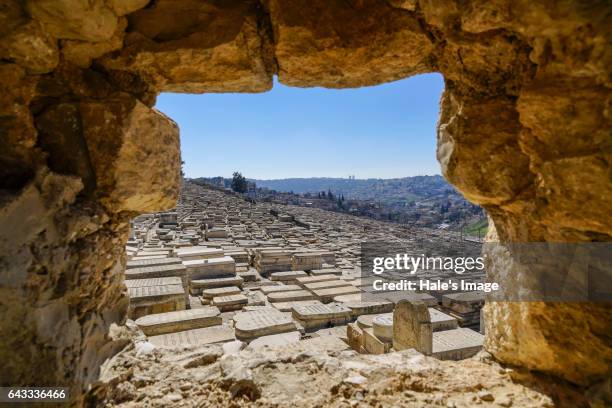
point(83, 151)
point(524, 131)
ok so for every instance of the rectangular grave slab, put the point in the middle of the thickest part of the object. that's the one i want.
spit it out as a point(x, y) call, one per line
point(320, 316)
point(153, 253)
point(134, 283)
point(231, 302)
point(224, 291)
point(195, 337)
point(239, 255)
point(250, 325)
point(146, 300)
point(216, 233)
point(456, 344)
point(151, 262)
point(441, 321)
point(326, 285)
point(211, 267)
point(359, 308)
point(306, 261)
point(279, 288)
point(290, 296)
point(196, 286)
point(249, 276)
point(287, 276)
point(330, 271)
point(287, 306)
point(327, 295)
point(170, 322)
point(404, 295)
point(355, 297)
point(158, 271)
point(147, 257)
point(314, 279)
point(197, 252)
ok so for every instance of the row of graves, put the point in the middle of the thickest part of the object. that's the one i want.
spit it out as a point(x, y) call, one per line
point(219, 269)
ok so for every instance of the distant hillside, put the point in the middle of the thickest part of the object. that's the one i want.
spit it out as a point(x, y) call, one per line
point(421, 201)
point(404, 189)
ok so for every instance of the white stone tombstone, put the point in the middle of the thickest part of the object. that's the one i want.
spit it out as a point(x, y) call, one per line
point(412, 327)
point(250, 325)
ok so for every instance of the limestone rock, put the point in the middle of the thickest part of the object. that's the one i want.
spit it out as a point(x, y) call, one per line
point(290, 373)
point(19, 155)
point(198, 46)
point(82, 52)
point(524, 131)
point(123, 7)
point(30, 47)
point(148, 144)
point(87, 20)
point(462, 135)
point(318, 43)
point(405, 4)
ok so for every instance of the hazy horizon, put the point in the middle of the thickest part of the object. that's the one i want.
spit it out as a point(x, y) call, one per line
point(317, 177)
point(385, 131)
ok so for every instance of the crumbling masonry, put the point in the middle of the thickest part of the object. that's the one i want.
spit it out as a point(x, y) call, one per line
point(524, 131)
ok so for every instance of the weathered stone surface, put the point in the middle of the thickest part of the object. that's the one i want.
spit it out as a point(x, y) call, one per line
point(382, 327)
point(250, 325)
point(287, 306)
point(81, 53)
point(151, 262)
point(321, 43)
point(224, 291)
point(311, 50)
point(291, 296)
point(279, 288)
point(274, 340)
point(31, 47)
point(456, 344)
point(123, 7)
point(68, 337)
point(170, 322)
point(134, 283)
point(372, 344)
point(146, 300)
point(19, 155)
point(441, 321)
point(148, 144)
point(196, 46)
point(195, 337)
point(524, 131)
point(412, 327)
point(198, 285)
point(309, 373)
point(89, 20)
point(112, 144)
point(230, 302)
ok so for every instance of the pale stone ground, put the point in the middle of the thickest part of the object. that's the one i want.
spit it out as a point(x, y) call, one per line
point(316, 373)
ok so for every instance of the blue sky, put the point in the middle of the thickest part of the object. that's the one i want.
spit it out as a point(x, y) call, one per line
point(383, 131)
